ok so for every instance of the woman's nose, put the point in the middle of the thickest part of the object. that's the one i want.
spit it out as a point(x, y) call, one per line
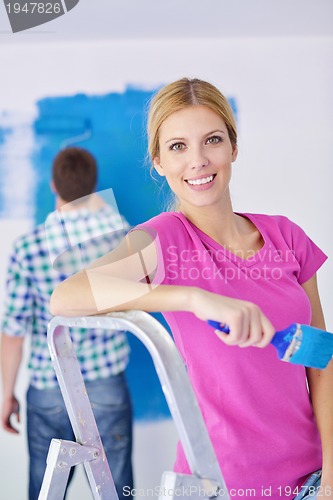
point(198, 159)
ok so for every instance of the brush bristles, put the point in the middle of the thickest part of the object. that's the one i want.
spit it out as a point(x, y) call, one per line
point(316, 348)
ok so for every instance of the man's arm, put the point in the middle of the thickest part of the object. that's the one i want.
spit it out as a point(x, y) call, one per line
point(321, 392)
point(15, 325)
point(11, 357)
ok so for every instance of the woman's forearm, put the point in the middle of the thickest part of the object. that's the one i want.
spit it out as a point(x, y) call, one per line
point(321, 390)
point(117, 282)
point(94, 291)
point(91, 293)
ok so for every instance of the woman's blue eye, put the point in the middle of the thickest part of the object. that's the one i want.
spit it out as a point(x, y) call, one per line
point(177, 146)
point(215, 139)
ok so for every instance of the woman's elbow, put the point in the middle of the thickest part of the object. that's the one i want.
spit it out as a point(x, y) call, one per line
point(57, 303)
point(72, 297)
point(64, 300)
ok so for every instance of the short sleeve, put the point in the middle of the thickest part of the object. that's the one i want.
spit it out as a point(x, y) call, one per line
point(309, 256)
point(18, 304)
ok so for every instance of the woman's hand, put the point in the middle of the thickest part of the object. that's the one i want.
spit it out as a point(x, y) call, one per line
point(248, 325)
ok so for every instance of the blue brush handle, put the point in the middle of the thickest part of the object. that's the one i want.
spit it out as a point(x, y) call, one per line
point(280, 341)
point(218, 326)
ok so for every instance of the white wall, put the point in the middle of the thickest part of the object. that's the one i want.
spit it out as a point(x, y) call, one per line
point(283, 90)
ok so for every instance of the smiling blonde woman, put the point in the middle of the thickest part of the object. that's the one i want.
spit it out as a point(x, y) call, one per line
point(254, 272)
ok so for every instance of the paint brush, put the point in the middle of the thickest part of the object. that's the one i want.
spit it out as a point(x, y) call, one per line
point(298, 344)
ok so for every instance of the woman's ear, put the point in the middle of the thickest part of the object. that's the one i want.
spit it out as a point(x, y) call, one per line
point(234, 152)
point(158, 167)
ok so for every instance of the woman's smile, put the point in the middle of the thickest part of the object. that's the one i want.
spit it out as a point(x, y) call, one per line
point(201, 183)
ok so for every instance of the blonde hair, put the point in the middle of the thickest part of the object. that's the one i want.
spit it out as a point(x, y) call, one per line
point(180, 94)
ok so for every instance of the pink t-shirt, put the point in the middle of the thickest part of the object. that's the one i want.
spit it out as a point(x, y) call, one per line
point(256, 407)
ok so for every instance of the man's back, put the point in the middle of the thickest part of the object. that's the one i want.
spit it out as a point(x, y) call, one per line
point(51, 252)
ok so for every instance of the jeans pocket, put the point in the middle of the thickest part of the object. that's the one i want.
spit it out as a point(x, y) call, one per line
point(46, 418)
point(114, 424)
point(111, 405)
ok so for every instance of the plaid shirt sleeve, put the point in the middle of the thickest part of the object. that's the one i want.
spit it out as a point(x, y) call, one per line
point(18, 305)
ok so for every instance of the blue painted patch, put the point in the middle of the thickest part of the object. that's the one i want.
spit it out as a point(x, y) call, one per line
point(112, 127)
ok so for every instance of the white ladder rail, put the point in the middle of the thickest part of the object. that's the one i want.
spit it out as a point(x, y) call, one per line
point(206, 474)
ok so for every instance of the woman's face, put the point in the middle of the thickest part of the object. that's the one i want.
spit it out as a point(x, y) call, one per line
point(195, 156)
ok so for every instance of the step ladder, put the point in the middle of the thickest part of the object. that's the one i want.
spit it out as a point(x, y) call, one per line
point(206, 480)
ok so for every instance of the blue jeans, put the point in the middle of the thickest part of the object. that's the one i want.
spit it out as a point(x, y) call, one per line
point(309, 488)
point(47, 418)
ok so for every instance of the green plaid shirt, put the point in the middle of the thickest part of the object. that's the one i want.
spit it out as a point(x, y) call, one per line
point(42, 259)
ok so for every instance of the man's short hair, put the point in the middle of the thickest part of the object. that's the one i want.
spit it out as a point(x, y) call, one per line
point(74, 173)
